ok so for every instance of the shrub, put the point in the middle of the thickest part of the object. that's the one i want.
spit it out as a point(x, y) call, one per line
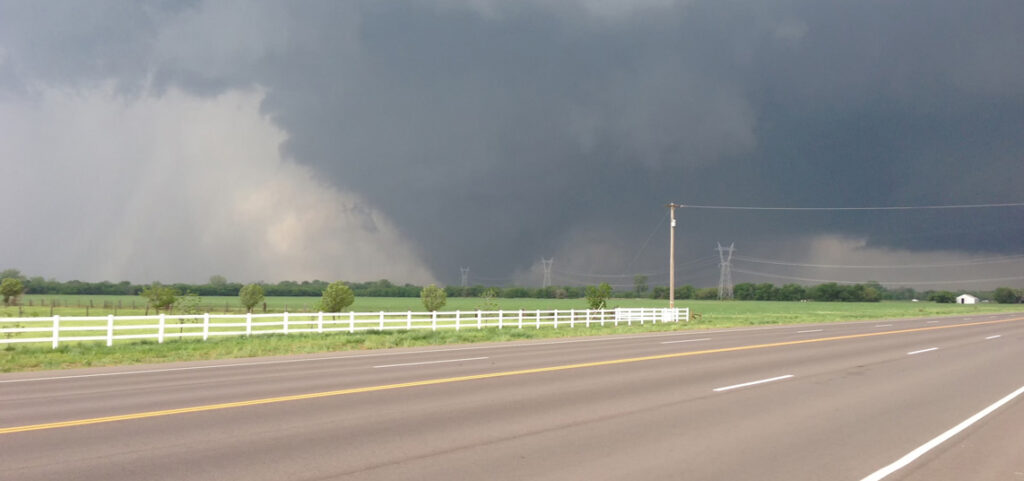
point(433, 297)
point(336, 297)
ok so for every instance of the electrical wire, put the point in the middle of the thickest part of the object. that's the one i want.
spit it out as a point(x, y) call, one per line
point(644, 246)
point(905, 207)
point(953, 281)
point(990, 260)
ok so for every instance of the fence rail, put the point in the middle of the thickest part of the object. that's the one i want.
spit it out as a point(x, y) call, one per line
point(162, 327)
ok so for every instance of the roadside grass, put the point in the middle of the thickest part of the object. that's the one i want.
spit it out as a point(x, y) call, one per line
point(706, 315)
point(16, 358)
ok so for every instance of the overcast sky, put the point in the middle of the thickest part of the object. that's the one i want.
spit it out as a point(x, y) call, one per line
point(359, 140)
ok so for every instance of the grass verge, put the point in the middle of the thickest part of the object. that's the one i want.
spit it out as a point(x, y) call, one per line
point(712, 315)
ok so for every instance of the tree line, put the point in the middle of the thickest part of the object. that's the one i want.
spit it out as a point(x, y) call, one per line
point(14, 284)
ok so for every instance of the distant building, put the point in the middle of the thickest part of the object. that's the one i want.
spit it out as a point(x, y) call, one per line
point(966, 299)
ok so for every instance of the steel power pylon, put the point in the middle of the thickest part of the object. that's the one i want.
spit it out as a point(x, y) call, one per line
point(725, 276)
point(547, 270)
point(465, 276)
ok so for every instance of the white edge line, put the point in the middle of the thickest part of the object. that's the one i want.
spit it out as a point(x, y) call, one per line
point(751, 383)
point(811, 330)
point(883, 325)
point(932, 322)
point(924, 448)
point(911, 353)
point(430, 362)
point(993, 337)
point(686, 340)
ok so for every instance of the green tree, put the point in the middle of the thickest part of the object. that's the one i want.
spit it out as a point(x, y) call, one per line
point(159, 296)
point(744, 291)
point(597, 296)
point(487, 300)
point(11, 288)
point(1005, 295)
point(706, 293)
point(942, 297)
point(433, 297)
point(765, 291)
point(640, 284)
point(686, 292)
point(336, 297)
point(250, 295)
point(827, 292)
point(12, 274)
point(792, 292)
point(218, 280)
point(189, 304)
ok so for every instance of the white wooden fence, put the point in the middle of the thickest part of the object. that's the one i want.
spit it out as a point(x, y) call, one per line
point(57, 329)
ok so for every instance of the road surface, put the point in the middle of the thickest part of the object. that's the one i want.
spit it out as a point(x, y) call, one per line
point(838, 401)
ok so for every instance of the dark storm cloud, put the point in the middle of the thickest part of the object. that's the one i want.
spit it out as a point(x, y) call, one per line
point(496, 133)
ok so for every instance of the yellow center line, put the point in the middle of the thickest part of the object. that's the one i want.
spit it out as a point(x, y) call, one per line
point(446, 380)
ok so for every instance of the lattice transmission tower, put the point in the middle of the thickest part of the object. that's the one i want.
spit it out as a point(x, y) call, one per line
point(547, 270)
point(465, 276)
point(725, 276)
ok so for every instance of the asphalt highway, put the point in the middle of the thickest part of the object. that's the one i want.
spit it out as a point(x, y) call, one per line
point(911, 399)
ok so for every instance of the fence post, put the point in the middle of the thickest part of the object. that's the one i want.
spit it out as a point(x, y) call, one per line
point(556, 318)
point(588, 317)
point(351, 322)
point(538, 318)
point(457, 315)
point(320, 322)
point(408, 320)
point(206, 325)
point(56, 330)
point(500, 316)
point(110, 330)
point(160, 331)
point(248, 323)
point(479, 319)
point(382, 321)
point(284, 323)
point(520, 318)
point(433, 320)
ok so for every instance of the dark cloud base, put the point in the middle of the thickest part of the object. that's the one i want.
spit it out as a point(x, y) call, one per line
point(494, 139)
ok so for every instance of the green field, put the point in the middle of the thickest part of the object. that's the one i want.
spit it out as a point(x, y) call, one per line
point(706, 315)
point(729, 312)
point(40, 305)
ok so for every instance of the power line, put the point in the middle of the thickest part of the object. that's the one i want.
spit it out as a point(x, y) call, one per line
point(649, 274)
point(953, 281)
point(608, 276)
point(991, 260)
point(644, 246)
point(903, 207)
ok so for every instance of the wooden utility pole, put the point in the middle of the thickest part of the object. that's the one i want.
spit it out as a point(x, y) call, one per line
point(672, 256)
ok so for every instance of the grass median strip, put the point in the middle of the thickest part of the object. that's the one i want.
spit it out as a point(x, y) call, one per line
point(447, 380)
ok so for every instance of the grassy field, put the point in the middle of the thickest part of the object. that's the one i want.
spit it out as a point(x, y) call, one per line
point(732, 312)
point(40, 305)
point(706, 315)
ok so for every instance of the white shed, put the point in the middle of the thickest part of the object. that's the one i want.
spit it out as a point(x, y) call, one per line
point(966, 299)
